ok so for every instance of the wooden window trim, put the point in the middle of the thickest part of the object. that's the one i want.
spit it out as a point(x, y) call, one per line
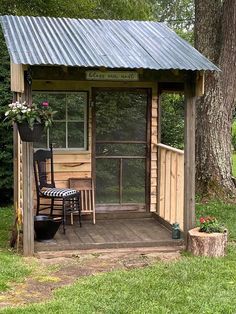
point(70, 150)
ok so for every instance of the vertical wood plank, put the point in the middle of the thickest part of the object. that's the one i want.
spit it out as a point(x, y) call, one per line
point(89, 200)
point(189, 154)
point(180, 191)
point(93, 204)
point(173, 191)
point(27, 158)
point(82, 200)
point(167, 186)
point(16, 157)
point(28, 221)
point(162, 182)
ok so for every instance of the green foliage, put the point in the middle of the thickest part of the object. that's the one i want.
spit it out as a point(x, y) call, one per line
point(172, 120)
point(124, 9)
point(113, 9)
point(234, 135)
point(179, 14)
point(234, 165)
point(6, 180)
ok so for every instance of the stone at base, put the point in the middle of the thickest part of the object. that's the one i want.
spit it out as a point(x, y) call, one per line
point(206, 244)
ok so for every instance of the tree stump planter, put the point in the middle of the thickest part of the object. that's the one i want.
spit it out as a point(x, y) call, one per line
point(207, 244)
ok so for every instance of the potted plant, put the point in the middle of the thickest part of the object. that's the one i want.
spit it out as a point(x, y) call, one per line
point(30, 120)
point(209, 239)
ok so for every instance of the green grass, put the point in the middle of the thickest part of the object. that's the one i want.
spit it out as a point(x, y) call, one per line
point(190, 285)
point(234, 165)
point(12, 266)
point(6, 220)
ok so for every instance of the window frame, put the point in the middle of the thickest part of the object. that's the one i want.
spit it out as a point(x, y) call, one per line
point(86, 119)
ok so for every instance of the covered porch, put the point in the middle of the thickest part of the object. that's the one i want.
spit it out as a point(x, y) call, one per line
point(113, 232)
point(108, 127)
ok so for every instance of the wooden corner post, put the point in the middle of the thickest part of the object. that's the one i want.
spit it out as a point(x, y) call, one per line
point(27, 157)
point(189, 153)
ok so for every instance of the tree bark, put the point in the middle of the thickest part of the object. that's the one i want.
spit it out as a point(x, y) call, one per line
point(207, 244)
point(215, 37)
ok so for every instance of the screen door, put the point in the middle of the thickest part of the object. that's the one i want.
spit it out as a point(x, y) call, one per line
point(121, 149)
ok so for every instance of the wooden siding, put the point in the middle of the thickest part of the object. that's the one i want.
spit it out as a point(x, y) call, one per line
point(171, 184)
point(78, 164)
point(71, 166)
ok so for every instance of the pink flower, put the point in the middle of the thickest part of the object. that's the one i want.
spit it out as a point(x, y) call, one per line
point(45, 103)
point(202, 220)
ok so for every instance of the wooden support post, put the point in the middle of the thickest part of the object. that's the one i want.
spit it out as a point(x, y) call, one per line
point(28, 210)
point(28, 222)
point(15, 163)
point(189, 154)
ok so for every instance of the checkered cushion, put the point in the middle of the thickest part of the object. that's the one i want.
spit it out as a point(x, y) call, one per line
point(55, 192)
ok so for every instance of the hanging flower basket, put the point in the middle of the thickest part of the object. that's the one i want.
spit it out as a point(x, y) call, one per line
point(31, 120)
point(30, 135)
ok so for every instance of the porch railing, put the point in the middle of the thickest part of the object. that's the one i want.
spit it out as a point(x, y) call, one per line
point(170, 187)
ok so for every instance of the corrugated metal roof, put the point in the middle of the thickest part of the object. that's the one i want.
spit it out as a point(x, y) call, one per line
point(98, 43)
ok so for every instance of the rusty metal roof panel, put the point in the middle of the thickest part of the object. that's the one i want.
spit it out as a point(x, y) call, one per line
point(98, 43)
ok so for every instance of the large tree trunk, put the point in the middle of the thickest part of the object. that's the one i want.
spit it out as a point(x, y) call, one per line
point(215, 37)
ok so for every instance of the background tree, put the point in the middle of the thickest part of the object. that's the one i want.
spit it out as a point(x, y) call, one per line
point(215, 37)
point(172, 120)
point(178, 14)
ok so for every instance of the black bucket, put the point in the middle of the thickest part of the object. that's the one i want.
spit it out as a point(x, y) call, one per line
point(45, 227)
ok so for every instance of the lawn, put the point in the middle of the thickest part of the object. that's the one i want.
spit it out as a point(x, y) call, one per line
point(190, 285)
point(12, 266)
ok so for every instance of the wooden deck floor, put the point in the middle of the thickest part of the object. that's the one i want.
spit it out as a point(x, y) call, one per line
point(110, 233)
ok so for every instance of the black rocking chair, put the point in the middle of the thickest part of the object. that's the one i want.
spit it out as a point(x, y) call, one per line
point(65, 200)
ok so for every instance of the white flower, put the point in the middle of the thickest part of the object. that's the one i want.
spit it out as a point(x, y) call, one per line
point(23, 110)
point(7, 113)
point(28, 110)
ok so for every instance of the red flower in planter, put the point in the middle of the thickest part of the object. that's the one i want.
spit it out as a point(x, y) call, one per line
point(210, 224)
point(202, 220)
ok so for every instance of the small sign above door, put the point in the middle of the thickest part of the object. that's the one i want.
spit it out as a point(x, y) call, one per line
point(112, 76)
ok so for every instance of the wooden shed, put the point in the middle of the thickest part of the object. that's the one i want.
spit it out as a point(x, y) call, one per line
point(105, 78)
